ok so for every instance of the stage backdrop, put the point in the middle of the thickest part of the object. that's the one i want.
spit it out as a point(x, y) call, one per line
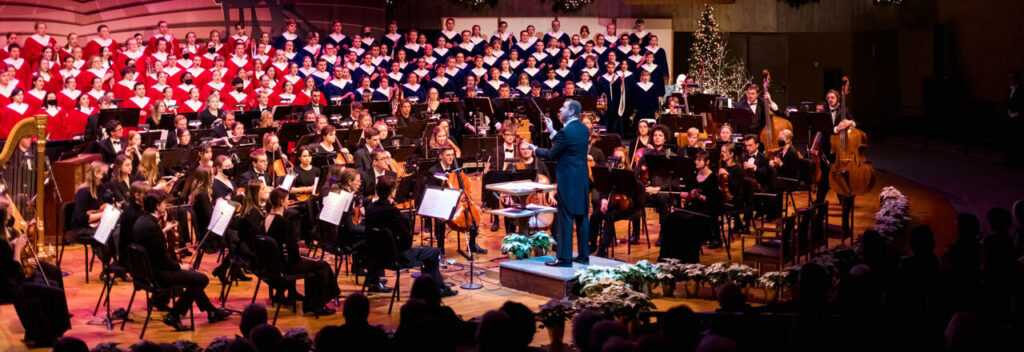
point(201, 16)
point(662, 27)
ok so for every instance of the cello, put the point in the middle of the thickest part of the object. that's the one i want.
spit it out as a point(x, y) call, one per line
point(773, 124)
point(468, 213)
point(851, 174)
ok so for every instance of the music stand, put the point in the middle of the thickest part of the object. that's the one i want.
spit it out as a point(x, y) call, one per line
point(377, 107)
point(682, 123)
point(820, 122)
point(286, 112)
point(85, 147)
point(149, 138)
point(589, 103)
point(128, 117)
point(503, 176)
point(701, 103)
point(289, 133)
point(401, 153)
point(166, 122)
point(743, 120)
point(250, 119)
point(608, 142)
point(172, 158)
point(682, 168)
point(476, 146)
point(658, 167)
point(602, 179)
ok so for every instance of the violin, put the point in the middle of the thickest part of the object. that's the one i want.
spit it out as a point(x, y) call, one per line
point(171, 236)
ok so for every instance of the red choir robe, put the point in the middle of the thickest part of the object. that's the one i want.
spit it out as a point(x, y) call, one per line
point(124, 89)
point(233, 98)
point(23, 68)
point(34, 99)
point(189, 106)
point(75, 120)
point(234, 63)
point(94, 97)
point(283, 99)
point(92, 48)
point(34, 44)
point(86, 76)
point(172, 43)
point(145, 105)
point(181, 91)
point(213, 86)
point(66, 98)
point(55, 123)
point(12, 114)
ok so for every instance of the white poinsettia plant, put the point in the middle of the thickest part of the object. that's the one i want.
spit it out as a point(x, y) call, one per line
point(774, 279)
point(616, 299)
point(893, 212)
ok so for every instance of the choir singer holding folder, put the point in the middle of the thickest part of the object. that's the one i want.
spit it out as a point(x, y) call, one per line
point(569, 150)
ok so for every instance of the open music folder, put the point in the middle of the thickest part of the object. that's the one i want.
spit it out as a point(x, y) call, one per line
point(221, 217)
point(108, 221)
point(335, 206)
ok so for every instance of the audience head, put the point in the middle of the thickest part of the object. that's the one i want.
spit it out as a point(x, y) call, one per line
point(731, 298)
point(264, 336)
point(356, 309)
point(330, 338)
point(968, 227)
point(922, 241)
point(252, 315)
point(523, 324)
point(493, 332)
point(604, 330)
point(1000, 220)
point(69, 344)
point(425, 289)
point(582, 323)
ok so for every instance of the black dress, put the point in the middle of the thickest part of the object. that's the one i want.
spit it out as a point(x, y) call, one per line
point(41, 308)
point(688, 228)
point(321, 285)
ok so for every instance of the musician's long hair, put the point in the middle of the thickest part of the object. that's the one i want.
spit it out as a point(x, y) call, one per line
point(251, 201)
point(119, 161)
point(203, 181)
point(148, 166)
point(138, 191)
point(5, 214)
point(92, 182)
point(347, 176)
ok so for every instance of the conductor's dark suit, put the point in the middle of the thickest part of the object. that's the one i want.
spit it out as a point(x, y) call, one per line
point(569, 150)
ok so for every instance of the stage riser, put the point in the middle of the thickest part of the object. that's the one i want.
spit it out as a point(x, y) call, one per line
point(531, 275)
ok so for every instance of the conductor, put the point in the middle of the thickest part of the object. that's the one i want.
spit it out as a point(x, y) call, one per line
point(569, 150)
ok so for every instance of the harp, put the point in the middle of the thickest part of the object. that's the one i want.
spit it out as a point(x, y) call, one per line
point(24, 178)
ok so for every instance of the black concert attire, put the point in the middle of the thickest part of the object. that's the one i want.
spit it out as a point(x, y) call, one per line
point(829, 157)
point(614, 213)
point(206, 117)
point(132, 212)
point(361, 159)
point(757, 110)
point(110, 148)
point(202, 210)
point(369, 177)
point(148, 233)
point(661, 201)
point(384, 215)
point(83, 232)
point(305, 178)
point(252, 174)
point(762, 172)
point(321, 285)
point(439, 225)
point(223, 188)
point(42, 308)
point(696, 223)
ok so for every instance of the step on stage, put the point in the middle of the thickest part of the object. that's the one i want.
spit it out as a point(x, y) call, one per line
point(531, 275)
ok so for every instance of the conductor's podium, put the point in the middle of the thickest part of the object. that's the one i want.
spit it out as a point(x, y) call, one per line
point(531, 275)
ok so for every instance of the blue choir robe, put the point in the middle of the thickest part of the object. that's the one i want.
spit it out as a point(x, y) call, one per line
point(534, 73)
point(641, 38)
point(525, 49)
point(542, 58)
point(560, 36)
point(588, 89)
point(363, 71)
point(412, 51)
point(359, 93)
point(285, 37)
point(453, 37)
point(508, 77)
point(645, 100)
point(442, 54)
point(564, 75)
point(382, 94)
point(442, 84)
point(392, 42)
point(337, 88)
point(657, 76)
point(415, 92)
point(340, 41)
point(423, 74)
point(397, 77)
point(553, 85)
point(490, 88)
point(320, 78)
point(521, 91)
point(660, 57)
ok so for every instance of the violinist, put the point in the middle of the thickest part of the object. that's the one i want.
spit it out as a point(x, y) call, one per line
point(305, 173)
point(39, 300)
point(328, 141)
point(205, 155)
point(362, 158)
point(643, 135)
point(321, 285)
point(702, 201)
point(438, 140)
point(725, 135)
point(149, 169)
point(272, 147)
point(378, 169)
point(168, 270)
point(132, 210)
point(249, 222)
point(202, 201)
point(836, 111)
point(89, 198)
point(608, 213)
point(121, 178)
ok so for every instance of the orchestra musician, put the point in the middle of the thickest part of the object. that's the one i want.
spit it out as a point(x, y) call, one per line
point(321, 285)
point(258, 171)
point(385, 215)
point(168, 270)
point(378, 169)
point(569, 150)
point(439, 139)
point(507, 150)
point(131, 211)
point(39, 300)
point(786, 161)
point(446, 162)
point(701, 204)
point(121, 177)
point(115, 142)
point(754, 160)
point(88, 201)
point(608, 213)
point(655, 186)
point(362, 159)
point(149, 169)
point(739, 186)
point(836, 112)
point(756, 106)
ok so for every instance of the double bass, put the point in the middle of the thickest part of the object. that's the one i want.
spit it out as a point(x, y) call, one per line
point(773, 124)
point(851, 174)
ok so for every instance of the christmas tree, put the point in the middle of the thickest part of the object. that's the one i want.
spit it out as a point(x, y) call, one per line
point(709, 64)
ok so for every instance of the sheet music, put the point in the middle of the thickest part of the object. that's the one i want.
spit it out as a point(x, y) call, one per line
point(335, 206)
point(439, 202)
point(287, 183)
point(520, 187)
point(111, 215)
point(222, 213)
point(316, 184)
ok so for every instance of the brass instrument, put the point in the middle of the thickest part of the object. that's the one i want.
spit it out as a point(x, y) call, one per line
point(30, 127)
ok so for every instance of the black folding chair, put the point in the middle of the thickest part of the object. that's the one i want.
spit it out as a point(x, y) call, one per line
point(268, 268)
point(144, 279)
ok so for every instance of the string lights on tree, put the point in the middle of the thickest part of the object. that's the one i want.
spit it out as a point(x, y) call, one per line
point(709, 62)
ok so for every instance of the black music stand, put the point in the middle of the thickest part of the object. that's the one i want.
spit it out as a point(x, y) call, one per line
point(743, 121)
point(683, 169)
point(820, 122)
point(287, 112)
point(659, 167)
point(478, 147)
point(305, 140)
point(166, 123)
point(290, 132)
point(700, 103)
point(589, 103)
point(250, 119)
point(354, 137)
point(149, 138)
point(608, 142)
point(85, 147)
point(401, 153)
point(682, 123)
point(377, 107)
point(503, 176)
point(170, 159)
point(128, 117)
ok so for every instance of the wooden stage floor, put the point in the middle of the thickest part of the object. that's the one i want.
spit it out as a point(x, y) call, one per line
point(927, 207)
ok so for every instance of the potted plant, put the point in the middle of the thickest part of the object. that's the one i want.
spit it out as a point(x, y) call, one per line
point(692, 275)
point(640, 276)
point(589, 275)
point(517, 246)
point(774, 282)
point(742, 275)
point(552, 316)
point(617, 300)
point(542, 242)
point(667, 271)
